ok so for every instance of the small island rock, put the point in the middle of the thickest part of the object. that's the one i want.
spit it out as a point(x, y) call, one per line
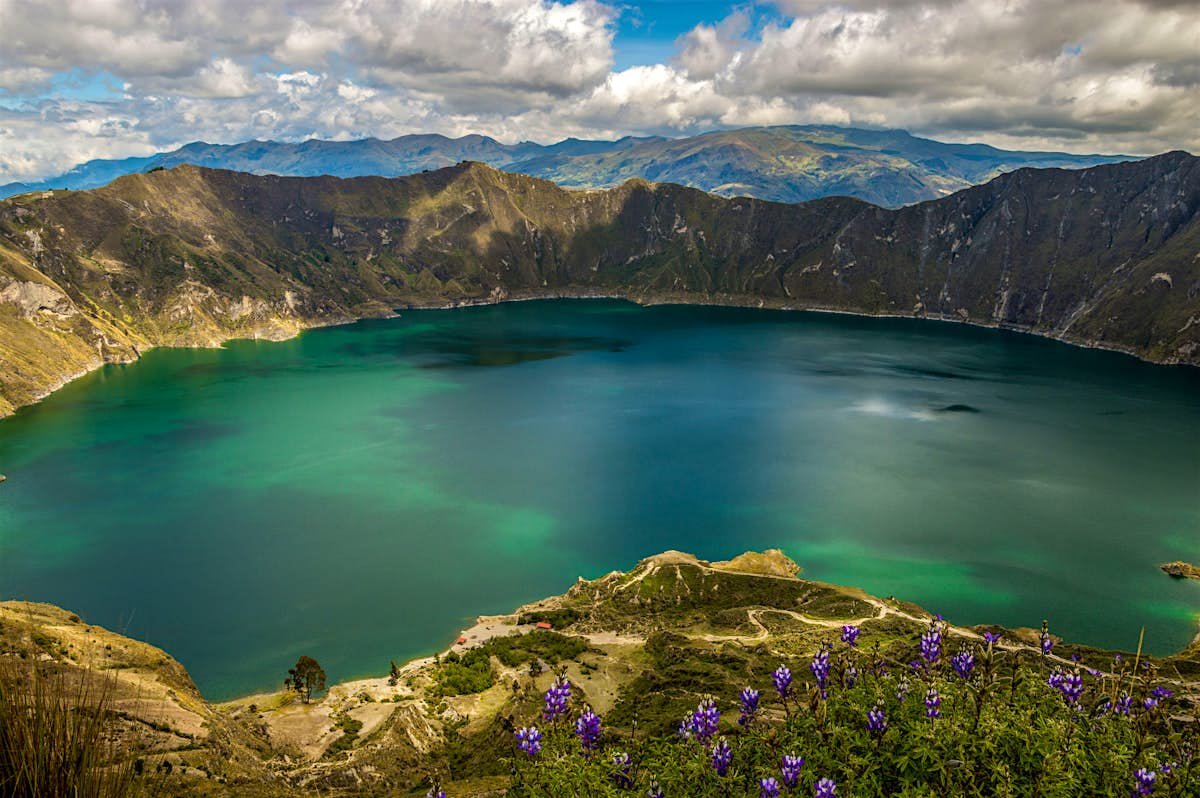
point(1181, 570)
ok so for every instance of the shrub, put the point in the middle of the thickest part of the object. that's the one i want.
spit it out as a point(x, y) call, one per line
point(462, 675)
point(543, 644)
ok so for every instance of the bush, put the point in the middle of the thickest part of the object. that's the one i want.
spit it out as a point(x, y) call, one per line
point(559, 619)
point(542, 644)
point(350, 729)
point(462, 675)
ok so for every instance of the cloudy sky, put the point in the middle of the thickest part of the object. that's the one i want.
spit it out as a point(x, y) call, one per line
point(83, 79)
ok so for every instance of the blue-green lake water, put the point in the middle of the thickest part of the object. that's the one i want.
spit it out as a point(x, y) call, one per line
point(359, 493)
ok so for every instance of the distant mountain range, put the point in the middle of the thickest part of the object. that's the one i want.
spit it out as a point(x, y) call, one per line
point(889, 168)
point(1104, 256)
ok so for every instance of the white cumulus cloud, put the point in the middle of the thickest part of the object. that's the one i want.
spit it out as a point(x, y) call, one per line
point(81, 79)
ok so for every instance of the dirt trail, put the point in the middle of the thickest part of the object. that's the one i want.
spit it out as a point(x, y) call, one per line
point(882, 610)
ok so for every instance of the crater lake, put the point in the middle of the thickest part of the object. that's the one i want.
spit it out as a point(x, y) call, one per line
point(360, 493)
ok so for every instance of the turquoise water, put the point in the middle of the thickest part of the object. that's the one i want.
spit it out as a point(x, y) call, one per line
point(359, 493)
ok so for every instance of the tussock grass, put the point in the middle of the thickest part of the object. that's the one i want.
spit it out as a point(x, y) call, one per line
point(54, 741)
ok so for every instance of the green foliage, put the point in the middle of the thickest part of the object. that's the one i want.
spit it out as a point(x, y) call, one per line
point(543, 644)
point(470, 672)
point(559, 619)
point(680, 672)
point(1004, 730)
point(350, 729)
point(53, 739)
point(305, 677)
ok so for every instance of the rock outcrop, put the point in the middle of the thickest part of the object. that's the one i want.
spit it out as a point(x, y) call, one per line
point(1181, 570)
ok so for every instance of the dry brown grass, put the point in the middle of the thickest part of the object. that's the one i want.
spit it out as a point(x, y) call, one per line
point(54, 740)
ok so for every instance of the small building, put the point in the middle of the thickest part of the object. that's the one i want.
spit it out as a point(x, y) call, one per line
point(544, 625)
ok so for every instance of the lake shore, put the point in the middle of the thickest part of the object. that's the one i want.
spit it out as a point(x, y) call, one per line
point(302, 326)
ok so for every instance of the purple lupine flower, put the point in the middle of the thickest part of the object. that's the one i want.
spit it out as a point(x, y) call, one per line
point(722, 756)
point(529, 740)
point(783, 681)
point(933, 702)
point(824, 788)
point(790, 769)
point(963, 663)
point(850, 634)
point(705, 719)
point(1124, 704)
point(1149, 703)
point(1069, 684)
point(587, 729)
point(621, 767)
point(749, 701)
point(931, 643)
point(1095, 674)
point(820, 669)
point(768, 787)
point(687, 728)
point(556, 699)
point(1161, 692)
point(655, 791)
point(902, 689)
point(990, 638)
point(877, 720)
point(435, 792)
point(1046, 642)
point(850, 676)
point(1145, 781)
point(1072, 687)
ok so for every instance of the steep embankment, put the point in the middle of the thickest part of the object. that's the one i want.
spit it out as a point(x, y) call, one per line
point(1105, 256)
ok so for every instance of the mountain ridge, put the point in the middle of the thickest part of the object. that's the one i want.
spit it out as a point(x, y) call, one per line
point(784, 163)
point(1108, 256)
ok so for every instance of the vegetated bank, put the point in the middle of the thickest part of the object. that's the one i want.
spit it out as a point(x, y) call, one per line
point(680, 677)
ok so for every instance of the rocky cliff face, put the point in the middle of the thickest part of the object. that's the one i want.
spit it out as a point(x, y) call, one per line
point(1107, 256)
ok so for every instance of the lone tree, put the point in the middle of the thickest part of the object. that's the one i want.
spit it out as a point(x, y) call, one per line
point(305, 677)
